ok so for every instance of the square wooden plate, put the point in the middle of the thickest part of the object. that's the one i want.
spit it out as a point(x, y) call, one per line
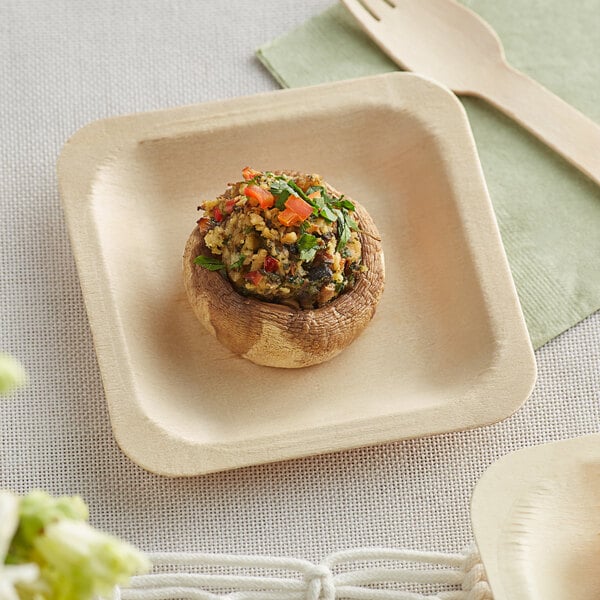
point(447, 349)
point(536, 519)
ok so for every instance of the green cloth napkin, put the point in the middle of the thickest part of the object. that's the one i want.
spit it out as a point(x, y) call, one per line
point(548, 213)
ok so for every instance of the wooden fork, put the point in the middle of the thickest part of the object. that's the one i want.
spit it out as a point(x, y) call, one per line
point(446, 41)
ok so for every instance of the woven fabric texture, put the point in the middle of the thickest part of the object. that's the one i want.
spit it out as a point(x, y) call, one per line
point(65, 63)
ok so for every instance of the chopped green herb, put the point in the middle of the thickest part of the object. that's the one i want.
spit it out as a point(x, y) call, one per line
point(343, 229)
point(328, 214)
point(308, 255)
point(326, 203)
point(282, 191)
point(238, 263)
point(209, 262)
point(307, 244)
point(343, 239)
point(328, 199)
point(306, 241)
point(298, 191)
point(318, 202)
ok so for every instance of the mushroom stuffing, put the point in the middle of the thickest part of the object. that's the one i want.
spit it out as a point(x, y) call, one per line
point(284, 238)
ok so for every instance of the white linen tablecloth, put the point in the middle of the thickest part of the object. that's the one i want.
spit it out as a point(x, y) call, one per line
point(67, 62)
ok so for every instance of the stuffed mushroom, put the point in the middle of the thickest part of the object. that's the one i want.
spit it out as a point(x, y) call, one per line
point(283, 269)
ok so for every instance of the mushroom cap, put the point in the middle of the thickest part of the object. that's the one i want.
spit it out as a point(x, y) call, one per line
point(276, 335)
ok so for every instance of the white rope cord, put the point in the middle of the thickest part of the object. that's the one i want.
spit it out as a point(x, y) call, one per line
point(311, 582)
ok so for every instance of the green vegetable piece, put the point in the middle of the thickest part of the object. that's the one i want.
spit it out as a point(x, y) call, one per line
point(304, 226)
point(352, 223)
point(238, 263)
point(328, 214)
point(315, 188)
point(319, 203)
point(308, 255)
point(298, 191)
point(343, 230)
point(343, 239)
point(308, 246)
point(209, 262)
point(306, 241)
point(281, 190)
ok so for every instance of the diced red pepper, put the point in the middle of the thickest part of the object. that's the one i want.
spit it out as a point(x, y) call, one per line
point(288, 217)
point(259, 196)
point(249, 173)
point(314, 195)
point(302, 208)
point(218, 214)
point(254, 277)
point(271, 264)
point(203, 224)
point(229, 204)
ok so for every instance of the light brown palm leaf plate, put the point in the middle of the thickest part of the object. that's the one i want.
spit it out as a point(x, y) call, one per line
point(536, 519)
point(446, 350)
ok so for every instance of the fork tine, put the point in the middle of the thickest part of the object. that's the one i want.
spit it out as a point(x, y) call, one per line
point(378, 7)
point(362, 13)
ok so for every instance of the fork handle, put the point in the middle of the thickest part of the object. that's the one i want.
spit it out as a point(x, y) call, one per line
point(563, 128)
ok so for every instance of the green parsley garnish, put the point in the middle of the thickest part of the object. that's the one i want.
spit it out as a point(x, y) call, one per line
point(307, 244)
point(328, 214)
point(239, 262)
point(282, 189)
point(342, 203)
point(316, 188)
point(209, 262)
point(325, 205)
point(300, 193)
point(343, 228)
